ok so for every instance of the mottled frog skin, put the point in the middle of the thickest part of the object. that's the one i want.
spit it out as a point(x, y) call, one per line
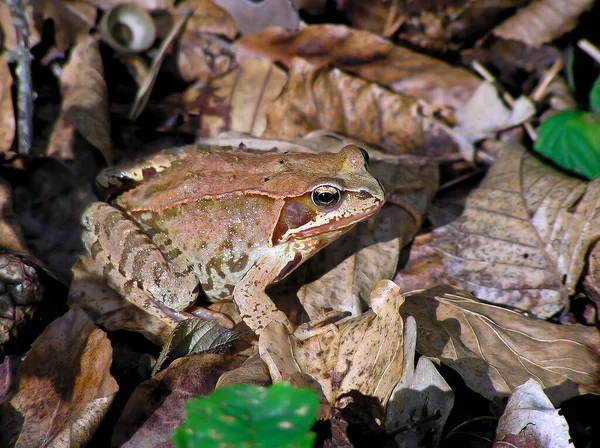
point(231, 222)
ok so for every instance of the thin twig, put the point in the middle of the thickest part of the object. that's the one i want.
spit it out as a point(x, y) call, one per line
point(590, 49)
point(23, 75)
point(539, 91)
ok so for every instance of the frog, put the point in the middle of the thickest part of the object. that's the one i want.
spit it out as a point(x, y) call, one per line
point(224, 223)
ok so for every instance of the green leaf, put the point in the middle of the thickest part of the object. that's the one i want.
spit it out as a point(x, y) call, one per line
point(595, 96)
point(571, 139)
point(192, 337)
point(250, 417)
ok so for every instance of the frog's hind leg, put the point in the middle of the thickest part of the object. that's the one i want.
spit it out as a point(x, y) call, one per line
point(134, 265)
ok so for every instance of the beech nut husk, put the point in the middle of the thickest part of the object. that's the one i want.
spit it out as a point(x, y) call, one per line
point(128, 28)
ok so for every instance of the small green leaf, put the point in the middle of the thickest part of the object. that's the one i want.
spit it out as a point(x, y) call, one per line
point(595, 96)
point(250, 417)
point(571, 139)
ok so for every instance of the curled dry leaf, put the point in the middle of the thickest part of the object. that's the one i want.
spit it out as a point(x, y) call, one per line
point(62, 389)
point(85, 101)
point(524, 235)
point(240, 100)
point(156, 407)
point(72, 19)
point(252, 17)
point(368, 56)
point(7, 115)
point(542, 21)
point(332, 100)
point(495, 349)
point(530, 420)
point(364, 354)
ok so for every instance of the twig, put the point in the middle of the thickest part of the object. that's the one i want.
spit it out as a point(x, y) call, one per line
point(590, 49)
point(23, 75)
point(548, 77)
point(392, 23)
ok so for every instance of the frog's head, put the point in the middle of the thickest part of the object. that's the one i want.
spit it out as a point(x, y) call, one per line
point(339, 193)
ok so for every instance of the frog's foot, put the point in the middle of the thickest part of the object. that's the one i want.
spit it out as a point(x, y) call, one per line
point(210, 315)
point(320, 325)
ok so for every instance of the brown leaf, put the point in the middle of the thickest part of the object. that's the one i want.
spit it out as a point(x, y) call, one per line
point(373, 16)
point(332, 100)
point(7, 115)
point(11, 235)
point(364, 354)
point(63, 387)
point(156, 407)
point(368, 56)
point(85, 100)
point(495, 349)
point(253, 371)
point(542, 21)
point(150, 5)
point(72, 18)
point(524, 235)
point(252, 17)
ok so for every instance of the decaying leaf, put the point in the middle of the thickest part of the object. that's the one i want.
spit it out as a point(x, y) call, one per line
point(7, 115)
point(156, 408)
point(495, 349)
point(332, 100)
point(368, 56)
point(364, 354)
point(542, 21)
point(85, 103)
point(252, 17)
point(530, 420)
point(62, 389)
point(420, 396)
point(253, 371)
point(524, 235)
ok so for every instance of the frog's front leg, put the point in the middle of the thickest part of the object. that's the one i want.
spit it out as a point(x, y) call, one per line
point(256, 307)
point(135, 267)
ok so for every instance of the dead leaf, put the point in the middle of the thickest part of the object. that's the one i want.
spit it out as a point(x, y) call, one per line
point(156, 407)
point(374, 16)
point(542, 21)
point(524, 235)
point(85, 102)
point(530, 420)
point(252, 371)
point(252, 17)
point(149, 5)
point(332, 100)
point(72, 19)
point(368, 56)
point(364, 354)
point(11, 235)
point(495, 349)
point(421, 395)
point(63, 387)
point(241, 99)
point(7, 115)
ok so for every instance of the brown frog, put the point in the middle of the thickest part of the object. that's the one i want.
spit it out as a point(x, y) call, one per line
point(231, 222)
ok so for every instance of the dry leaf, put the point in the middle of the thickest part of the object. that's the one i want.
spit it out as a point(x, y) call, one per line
point(373, 16)
point(156, 407)
point(368, 56)
point(7, 115)
point(11, 236)
point(530, 420)
point(364, 354)
point(240, 100)
point(524, 235)
point(63, 387)
point(542, 21)
point(252, 371)
point(252, 17)
point(332, 100)
point(495, 349)
point(85, 102)
point(72, 19)
point(149, 5)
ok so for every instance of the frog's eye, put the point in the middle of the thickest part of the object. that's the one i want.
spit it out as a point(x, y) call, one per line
point(326, 196)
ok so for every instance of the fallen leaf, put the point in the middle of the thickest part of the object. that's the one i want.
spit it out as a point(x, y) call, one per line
point(7, 115)
point(11, 235)
point(495, 349)
point(156, 407)
point(530, 420)
point(542, 21)
point(375, 16)
point(332, 100)
point(368, 56)
point(364, 354)
point(252, 17)
point(524, 235)
point(63, 387)
point(253, 371)
point(85, 101)
point(149, 5)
